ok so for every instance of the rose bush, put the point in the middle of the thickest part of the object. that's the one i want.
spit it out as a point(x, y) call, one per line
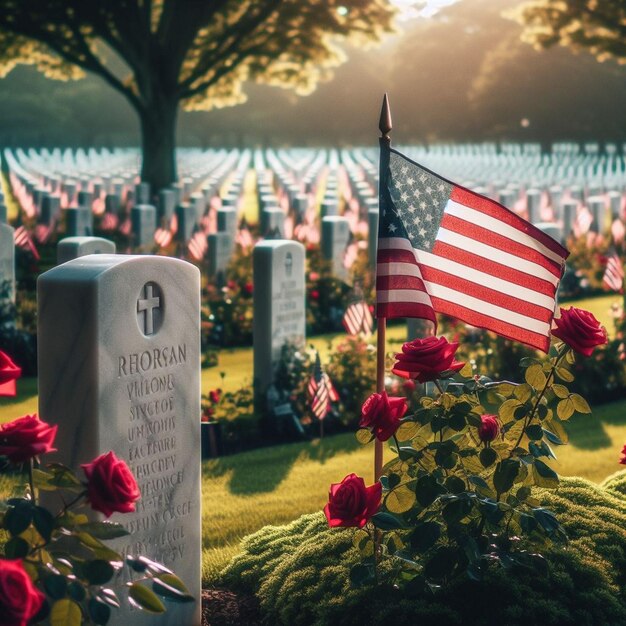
point(20, 600)
point(351, 503)
point(111, 486)
point(580, 330)
point(426, 359)
point(25, 438)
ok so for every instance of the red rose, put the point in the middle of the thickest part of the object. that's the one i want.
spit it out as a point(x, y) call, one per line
point(409, 386)
point(314, 276)
point(623, 459)
point(580, 330)
point(351, 503)
point(214, 395)
point(425, 359)
point(382, 414)
point(315, 294)
point(26, 437)
point(9, 373)
point(111, 486)
point(489, 428)
point(248, 288)
point(20, 600)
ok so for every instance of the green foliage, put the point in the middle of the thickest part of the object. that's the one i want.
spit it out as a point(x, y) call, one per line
point(301, 573)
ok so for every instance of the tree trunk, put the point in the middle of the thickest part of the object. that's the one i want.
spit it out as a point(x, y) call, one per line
point(158, 143)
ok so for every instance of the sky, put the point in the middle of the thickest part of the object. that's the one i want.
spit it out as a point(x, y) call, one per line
point(408, 8)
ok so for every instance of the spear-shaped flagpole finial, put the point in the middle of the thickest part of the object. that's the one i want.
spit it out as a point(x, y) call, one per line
point(384, 123)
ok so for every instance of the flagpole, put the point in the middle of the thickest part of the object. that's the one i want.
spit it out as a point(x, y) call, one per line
point(384, 125)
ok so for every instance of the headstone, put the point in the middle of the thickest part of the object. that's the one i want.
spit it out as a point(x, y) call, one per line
point(112, 203)
point(279, 311)
point(329, 206)
point(507, 197)
point(597, 206)
point(272, 218)
point(79, 221)
point(533, 204)
point(144, 222)
point(335, 239)
point(71, 248)
point(167, 202)
point(85, 199)
point(7, 265)
point(186, 216)
point(551, 229)
point(372, 236)
point(615, 201)
point(227, 221)
point(220, 253)
point(3, 213)
point(142, 193)
point(119, 369)
point(50, 209)
point(568, 211)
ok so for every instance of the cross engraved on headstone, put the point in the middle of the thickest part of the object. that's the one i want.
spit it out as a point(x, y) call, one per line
point(148, 305)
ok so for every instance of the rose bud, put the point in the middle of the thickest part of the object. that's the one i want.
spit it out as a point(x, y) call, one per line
point(26, 437)
point(489, 428)
point(580, 330)
point(214, 395)
point(111, 486)
point(9, 373)
point(623, 459)
point(426, 359)
point(382, 414)
point(20, 600)
point(351, 503)
point(409, 386)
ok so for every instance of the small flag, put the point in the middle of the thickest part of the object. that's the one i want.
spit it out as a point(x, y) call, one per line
point(445, 249)
point(23, 240)
point(163, 237)
point(198, 245)
point(614, 273)
point(358, 319)
point(243, 237)
point(583, 222)
point(109, 221)
point(321, 390)
point(43, 232)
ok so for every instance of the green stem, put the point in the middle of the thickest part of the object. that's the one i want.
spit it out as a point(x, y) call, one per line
point(31, 481)
point(531, 415)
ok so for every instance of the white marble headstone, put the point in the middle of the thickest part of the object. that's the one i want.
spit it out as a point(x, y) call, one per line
point(335, 239)
point(144, 221)
point(119, 369)
point(279, 311)
point(71, 248)
point(7, 261)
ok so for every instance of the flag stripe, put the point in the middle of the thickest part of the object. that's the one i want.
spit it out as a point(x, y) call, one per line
point(401, 308)
point(475, 318)
point(481, 234)
point(499, 256)
point(397, 281)
point(501, 213)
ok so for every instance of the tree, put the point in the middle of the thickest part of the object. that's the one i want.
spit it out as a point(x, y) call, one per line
point(598, 26)
point(161, 53)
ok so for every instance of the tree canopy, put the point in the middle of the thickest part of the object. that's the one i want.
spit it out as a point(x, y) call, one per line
point(160, 53)
point(598, 26)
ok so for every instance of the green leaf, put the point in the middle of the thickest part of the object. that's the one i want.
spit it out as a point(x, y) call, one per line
point(109, 596)
point(407, 431)
point(18, 518)
point(145, 598)
point(507, 409)
point(41, 480)
point(364, 435)
point(467, 371)
point(425, 536)
point(556, 428)
point(506, 389)
point(361, 574)
point(104, 530)
point(535, 377)
point(488, 456)
point(523, 392)
point(505, 475)
point(454, 484)
point(427, 490)
point(544, 476)
point(363, 543)
point(16, 548)
point(527, 361)
point(442, 563)
point(482, 487)
point(98, 571)
point(65, 613)
point(455, 510)
point(43, 521)
point(564, 374)
point(173, 588)
point(523, 493)
point(55, 586)
point(560, 391)
point(400, 500)
point(386, 521)
point(76, 591)
point(580, 404)
point(534, 432)
point(546, 519)
point(99, 612)
point(565, 409)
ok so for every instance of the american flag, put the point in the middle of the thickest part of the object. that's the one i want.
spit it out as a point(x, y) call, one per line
point(445, 249)
point(198, 246)
point(43, 232)
point(321, 390)
point(243, 237)
point(23, 240)
point(614, 273)
point(358, 319)
point(163, 237)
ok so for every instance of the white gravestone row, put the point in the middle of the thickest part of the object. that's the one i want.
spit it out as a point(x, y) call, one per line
point(119, 369)
point(335, 239)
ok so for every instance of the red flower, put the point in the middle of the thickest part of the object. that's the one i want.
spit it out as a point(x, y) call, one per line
point(248, 288)
point(9, 373)
point(382, 414)
point(314, 276)
point(26, 437)
point(214, 395)
point(623, 459)
point(315, 294)
point(409, 386)
point(20, 600)
point(489, 428)
point(580, 330)
point(111, 485)
point(351, 503)
point(426, 359)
